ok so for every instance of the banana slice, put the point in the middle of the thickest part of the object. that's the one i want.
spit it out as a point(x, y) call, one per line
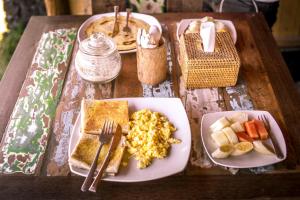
point(239, 117)
point(242, 148)
point(223, 151)
point(220, 138)
point(260, 147)
point(237, 127)
point(219, 124)
point(230, 134)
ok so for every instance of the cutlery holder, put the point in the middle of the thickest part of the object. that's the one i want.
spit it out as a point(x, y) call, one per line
point(202, 70)
point(152, 64)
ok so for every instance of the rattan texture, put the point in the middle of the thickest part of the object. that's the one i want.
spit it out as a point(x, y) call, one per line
point(202, 70)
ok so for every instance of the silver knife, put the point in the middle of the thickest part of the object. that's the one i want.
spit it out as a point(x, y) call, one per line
point(114, 144)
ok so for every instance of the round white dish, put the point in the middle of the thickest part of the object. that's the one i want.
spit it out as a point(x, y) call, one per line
point(249, 160)
point(178, 156)
point(146, 18)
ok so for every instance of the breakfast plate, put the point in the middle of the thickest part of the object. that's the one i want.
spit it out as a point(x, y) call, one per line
point(183, 25)
point(147, 19)
point(178, 155)
point(251, 159)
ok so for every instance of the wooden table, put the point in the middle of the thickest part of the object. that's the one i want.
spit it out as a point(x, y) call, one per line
point(264, 83)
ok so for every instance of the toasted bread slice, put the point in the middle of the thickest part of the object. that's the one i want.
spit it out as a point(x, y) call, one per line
point(85, 152)
point(94, 113)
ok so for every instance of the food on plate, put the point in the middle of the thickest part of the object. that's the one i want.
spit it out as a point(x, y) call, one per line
point(94, 112)
point(244, 137)
point(261, 129)
point(242, 134)
point(219, 124)
point(85, 152)
point(263, 148)
point(149, 136)
point(223, 151)
point(240, 117)
point(237, 127)
point(124, 40)
point(220, 138)
point(242, 148)
point(251, 129)
point(230, 134)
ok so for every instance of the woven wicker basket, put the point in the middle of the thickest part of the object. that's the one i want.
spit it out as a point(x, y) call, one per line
point(202, 70)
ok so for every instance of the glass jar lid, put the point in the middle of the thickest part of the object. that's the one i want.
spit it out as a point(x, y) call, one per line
point(98, 45)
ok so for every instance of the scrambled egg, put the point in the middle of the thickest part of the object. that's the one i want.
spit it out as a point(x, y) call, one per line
point(149, 136)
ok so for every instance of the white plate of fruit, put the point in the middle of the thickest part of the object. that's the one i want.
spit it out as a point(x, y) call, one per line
point(238, 139)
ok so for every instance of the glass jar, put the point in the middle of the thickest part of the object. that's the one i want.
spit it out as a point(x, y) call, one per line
point(98, 59)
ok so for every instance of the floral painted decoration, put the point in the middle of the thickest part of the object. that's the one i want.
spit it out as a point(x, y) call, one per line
point(29, 128)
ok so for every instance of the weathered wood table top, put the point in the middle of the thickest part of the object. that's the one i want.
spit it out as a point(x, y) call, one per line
point(264, 84)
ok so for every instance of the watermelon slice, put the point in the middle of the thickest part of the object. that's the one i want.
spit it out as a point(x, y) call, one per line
point(243, 137)
point(261, 129)
point(251, 129)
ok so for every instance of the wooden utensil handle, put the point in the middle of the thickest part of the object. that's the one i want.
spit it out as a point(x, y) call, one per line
point(89, 177)
point(93, 187)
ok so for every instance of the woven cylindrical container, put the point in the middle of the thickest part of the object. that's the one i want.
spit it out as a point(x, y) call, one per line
point(202, 70)
point(152, 64)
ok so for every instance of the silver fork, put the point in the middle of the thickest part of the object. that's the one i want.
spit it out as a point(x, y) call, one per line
point(277, 149)
point(104, 138)
point(126, 28)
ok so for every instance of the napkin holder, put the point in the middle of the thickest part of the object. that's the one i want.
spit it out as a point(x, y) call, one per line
point(202, 70)
point(152, 63)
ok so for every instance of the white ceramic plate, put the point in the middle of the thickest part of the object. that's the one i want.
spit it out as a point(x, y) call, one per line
point(249, 160)
point(178, 157)
point(183, 24)
point(146, 18)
